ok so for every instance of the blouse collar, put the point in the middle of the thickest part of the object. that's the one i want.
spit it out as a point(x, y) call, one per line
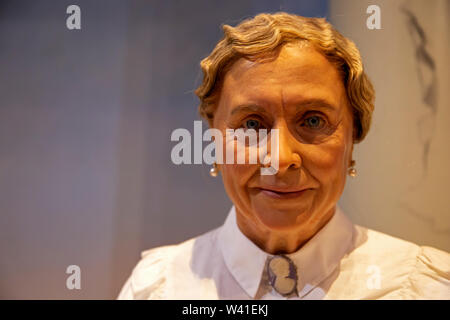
point(315, 260)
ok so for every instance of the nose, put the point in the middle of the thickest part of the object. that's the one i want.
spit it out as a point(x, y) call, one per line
point(288, 153)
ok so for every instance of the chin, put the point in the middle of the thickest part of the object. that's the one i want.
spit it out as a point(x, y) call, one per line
point(282, 217)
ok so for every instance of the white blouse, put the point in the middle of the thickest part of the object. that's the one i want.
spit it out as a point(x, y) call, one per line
point(342, 261)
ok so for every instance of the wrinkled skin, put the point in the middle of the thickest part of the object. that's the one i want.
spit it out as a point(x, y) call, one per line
point(301, 94)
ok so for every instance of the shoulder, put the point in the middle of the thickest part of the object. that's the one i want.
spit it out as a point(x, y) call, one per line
point(407, 270)
point(153, 273)
point(148, 277)
point(371, 241)
point(430, 278)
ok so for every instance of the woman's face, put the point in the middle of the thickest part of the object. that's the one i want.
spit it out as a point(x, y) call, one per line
point(301, 94)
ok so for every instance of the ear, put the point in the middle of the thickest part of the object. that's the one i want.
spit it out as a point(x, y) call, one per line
point(211, 122)
point(351, 141)
point(351, 155)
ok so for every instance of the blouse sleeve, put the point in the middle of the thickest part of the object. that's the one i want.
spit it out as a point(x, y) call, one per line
point(126, 293)
point(148, 278)
point(431, 277)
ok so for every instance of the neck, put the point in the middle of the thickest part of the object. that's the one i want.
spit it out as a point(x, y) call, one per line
point(274, 241)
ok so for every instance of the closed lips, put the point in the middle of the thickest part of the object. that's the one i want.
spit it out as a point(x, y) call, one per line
point(282, 191)
point(282, 194)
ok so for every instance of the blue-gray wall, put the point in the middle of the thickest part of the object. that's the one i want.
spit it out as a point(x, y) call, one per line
point(85, 123)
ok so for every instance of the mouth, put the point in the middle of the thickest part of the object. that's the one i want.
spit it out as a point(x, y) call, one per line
point(283, 194)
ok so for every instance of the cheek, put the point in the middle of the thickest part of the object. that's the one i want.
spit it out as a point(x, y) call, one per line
point(237, 176)
point(327, 163)
point(329, 160)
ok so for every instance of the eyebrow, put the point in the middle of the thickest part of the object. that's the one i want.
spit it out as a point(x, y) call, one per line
point(316, 102)
point(248, 108)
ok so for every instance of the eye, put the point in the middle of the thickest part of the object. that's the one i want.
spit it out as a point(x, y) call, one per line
point(252, 124)
point(314, 122)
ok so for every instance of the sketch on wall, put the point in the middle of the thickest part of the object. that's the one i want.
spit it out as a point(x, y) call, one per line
point(423, 189)
point(403, 171)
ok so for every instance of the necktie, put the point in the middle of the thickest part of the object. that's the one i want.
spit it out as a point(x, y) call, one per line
point(282, 274)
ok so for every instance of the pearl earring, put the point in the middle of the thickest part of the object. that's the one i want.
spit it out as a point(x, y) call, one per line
point(214, 170)
point(351, 170)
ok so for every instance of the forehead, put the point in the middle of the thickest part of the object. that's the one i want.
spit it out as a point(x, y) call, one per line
point(297, 73)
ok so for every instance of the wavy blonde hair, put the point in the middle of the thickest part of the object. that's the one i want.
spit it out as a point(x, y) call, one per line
point(264, 34)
